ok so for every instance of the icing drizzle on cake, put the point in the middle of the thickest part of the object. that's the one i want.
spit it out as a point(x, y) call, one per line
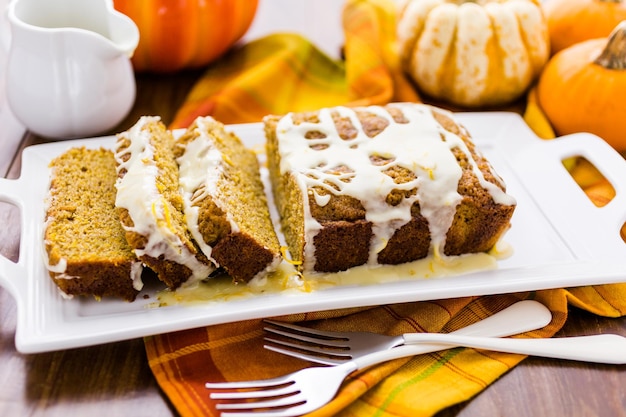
point(137, 192)
point(200, 172)
point(359, 167)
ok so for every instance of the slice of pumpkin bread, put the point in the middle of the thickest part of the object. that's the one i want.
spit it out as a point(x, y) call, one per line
point(87, 252)
point(225, 204)
point(151, 206)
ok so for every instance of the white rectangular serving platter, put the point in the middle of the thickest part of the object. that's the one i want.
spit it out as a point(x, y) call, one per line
point(559, 239)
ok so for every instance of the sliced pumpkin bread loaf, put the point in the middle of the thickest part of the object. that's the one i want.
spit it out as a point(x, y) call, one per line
point(87, 252)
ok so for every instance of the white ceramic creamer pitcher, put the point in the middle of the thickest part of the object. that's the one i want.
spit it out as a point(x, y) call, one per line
point(68, 71)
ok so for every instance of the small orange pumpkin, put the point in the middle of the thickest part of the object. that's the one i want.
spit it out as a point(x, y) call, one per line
point(582, 88)
point(574, 21)
point(180, 34)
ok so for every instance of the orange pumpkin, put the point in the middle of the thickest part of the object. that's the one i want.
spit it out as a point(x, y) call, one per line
point(582, 88)
point(180, 34)
point(574, 21)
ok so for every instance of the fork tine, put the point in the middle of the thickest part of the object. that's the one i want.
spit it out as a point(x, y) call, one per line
point(319, 346)
point(334, 343)
point(305, 330)
point(261, 383)
point(263, 393)
point(282, 412)
point(326, 360)
point(268, 404)
point(342, 353)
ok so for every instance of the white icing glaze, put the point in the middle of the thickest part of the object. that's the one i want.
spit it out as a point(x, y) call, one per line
point(416, 146)
point(276, 261)
point(59, 267)
point(136, 269)
point(200, 170)
point(137, 192)
point(287, 281)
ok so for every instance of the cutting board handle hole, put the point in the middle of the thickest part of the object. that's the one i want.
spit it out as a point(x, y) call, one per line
point(11, 227)
point(589, 178)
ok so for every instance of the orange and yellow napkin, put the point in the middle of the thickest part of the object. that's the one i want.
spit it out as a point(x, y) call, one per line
point(285, 72)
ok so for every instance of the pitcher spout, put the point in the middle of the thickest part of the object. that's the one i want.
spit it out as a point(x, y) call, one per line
point(96, 20)
point(123, 32)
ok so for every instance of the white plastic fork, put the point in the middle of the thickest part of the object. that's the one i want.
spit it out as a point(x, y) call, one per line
point(334, 348)
point(309, 389)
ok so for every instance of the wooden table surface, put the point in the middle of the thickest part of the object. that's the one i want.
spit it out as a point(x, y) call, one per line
point(114, 379)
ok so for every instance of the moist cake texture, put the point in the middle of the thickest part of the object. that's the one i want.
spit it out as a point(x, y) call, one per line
point(224, 201)
point(382, 185)
point(151, 206)
point(87, 252)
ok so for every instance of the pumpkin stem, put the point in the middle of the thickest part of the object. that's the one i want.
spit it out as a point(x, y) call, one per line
point(614, 54)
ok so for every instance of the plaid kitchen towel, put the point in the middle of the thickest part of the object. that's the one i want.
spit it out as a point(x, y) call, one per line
point(282, 73)
point(285, 72)
point(420, 386)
